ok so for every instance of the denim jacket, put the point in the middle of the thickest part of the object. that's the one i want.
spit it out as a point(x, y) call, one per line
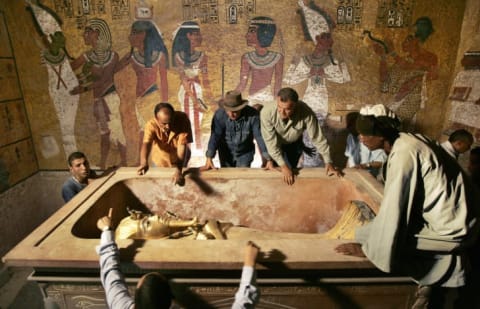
point(237, 134)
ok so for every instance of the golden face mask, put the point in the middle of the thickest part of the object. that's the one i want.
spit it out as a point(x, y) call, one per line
point(146, 226)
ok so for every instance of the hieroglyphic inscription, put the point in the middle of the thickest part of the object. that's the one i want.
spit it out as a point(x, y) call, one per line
point(205, 11)
point(394, 13)
point(349, 14)
point(237, 10)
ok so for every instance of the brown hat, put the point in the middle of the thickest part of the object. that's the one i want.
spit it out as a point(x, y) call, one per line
point(233, 101)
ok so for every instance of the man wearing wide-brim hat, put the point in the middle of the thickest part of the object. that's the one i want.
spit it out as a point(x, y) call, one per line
point(234, 127)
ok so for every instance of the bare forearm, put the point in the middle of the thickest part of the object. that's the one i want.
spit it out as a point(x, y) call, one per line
point(144, 153)
point(181, 152)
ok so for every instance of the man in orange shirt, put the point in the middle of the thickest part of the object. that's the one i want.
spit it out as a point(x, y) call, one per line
point(166, 136)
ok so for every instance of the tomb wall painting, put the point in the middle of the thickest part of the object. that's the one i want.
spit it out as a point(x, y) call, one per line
point(359, 74)
point(17, 157)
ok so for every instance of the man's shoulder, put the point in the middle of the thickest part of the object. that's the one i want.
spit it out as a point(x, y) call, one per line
point(181, 117)
point(69, 182)
point(304, 108)
point(180, 114)
point(250, 111)
point(181, 121)
point(409, 143)
point(152, 123)
point(71, 185)
point(269, 108)
point(220, 112)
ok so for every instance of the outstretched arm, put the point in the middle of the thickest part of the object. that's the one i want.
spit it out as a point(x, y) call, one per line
point(247, 295)
point(124, 61)
point(144, 154)
point(178, 176)
point(113, 281)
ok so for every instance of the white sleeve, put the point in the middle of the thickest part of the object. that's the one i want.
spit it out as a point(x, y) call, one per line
point(248, 294)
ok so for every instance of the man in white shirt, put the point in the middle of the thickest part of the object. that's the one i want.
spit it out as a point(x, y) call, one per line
point(460, 141)
point(358, 155)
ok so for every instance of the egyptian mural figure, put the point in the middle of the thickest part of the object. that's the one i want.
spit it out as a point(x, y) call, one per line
point(261, 64)
point(406, 78)
point(192, 66)
point(97, 67)
point(61, 77)
point(316, 68)
point(148, 226)
point(148, 57)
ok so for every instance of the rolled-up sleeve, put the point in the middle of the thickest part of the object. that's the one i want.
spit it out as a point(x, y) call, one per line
point(248, 294)
point(149, 132)
point(270, 135)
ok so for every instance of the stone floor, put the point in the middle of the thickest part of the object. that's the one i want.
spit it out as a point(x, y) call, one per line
point(16, 292)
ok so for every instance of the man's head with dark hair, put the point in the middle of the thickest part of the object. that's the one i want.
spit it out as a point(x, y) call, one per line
point(164, 113)
point(461, 140)
point(75, 155)
point(287, 98)
point(153, 292)
point(161, 106)
point(376, 125)
point(79, 166)
point(288, 94)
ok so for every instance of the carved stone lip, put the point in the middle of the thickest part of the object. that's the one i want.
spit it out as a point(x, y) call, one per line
point(69, 237)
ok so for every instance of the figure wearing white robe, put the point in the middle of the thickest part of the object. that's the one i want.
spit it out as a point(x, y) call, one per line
point(426, 218)
point(316, 94)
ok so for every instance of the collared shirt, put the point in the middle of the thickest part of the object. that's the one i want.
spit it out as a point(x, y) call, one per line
point(72, 187)
point(357, 153)
point(237, 134)
point(164, 148)
point(116, 289)
point(277, 132)
point(428, 214)
point(449, 148)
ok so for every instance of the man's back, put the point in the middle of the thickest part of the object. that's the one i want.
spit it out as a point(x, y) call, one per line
point(426, 213)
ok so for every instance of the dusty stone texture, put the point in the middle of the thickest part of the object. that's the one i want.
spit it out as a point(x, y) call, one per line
point(27, 204)
point(252, 197)
point(224, 44)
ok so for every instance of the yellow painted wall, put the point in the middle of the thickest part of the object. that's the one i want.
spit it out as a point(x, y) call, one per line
point(225, 42)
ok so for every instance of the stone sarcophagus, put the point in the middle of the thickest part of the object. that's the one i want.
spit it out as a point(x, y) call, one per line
point(297, 228)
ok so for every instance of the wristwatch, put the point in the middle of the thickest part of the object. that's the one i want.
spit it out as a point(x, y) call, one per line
point(106, 228)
